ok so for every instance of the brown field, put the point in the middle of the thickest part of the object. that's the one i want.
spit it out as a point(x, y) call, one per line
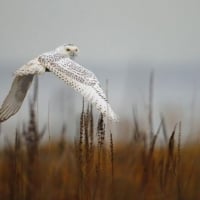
point(93, 166)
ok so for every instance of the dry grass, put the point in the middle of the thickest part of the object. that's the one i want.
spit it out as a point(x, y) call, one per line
point(94, 168)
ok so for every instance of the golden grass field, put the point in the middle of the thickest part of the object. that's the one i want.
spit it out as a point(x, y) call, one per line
point(95, 167)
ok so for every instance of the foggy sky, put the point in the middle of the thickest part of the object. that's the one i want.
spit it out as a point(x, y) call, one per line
point(126, 34)
point(156, 31)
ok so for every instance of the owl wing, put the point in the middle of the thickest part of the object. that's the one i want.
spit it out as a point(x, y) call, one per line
point(83, 81)
point(20, 85)
point(15, 97)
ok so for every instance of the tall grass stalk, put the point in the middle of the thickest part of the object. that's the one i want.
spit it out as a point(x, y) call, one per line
point(151, 93)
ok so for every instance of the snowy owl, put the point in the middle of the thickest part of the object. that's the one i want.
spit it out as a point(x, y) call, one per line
point(59, 62)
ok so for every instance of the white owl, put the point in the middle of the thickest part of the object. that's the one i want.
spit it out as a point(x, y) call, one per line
point(61, 64)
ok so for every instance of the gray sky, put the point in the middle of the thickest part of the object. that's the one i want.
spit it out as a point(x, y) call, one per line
point(110, 33)
point(156, 31)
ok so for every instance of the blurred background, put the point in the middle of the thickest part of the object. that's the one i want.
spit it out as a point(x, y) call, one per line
point(120, 41)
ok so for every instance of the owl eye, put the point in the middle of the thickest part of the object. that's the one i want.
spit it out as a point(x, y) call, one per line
point(76, 50)
point(67, 49)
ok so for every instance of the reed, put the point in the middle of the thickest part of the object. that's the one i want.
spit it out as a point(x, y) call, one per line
point(96, 166)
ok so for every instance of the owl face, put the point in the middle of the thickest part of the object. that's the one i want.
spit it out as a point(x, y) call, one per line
point(68, 49)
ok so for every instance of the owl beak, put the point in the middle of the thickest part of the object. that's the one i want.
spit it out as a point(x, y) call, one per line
point(74, 54)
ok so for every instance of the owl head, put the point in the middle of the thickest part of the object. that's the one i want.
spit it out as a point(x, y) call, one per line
point(70, 50)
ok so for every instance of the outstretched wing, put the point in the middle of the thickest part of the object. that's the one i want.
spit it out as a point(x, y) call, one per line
point(83, 81)
point(21, 83)
point(15, 97)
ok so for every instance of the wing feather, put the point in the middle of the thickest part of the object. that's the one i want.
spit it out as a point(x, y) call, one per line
point(21, 83)
point(84, 82)
point(32, 67)
point(15, 97)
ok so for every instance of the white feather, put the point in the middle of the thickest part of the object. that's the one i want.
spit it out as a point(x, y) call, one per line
point(21, 83)
point(83, 81)
point(15, 97)
point(73, 74)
